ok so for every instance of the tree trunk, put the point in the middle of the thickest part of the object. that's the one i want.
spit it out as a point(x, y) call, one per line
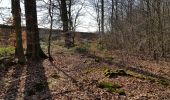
point(160, 26)
point(112, 20)
point(70, 17)
point(102, 16)
point(16, 12)
point(129, 13)
point(65, 21)
point(51, 28)
point(34, 50)
point(148, 24)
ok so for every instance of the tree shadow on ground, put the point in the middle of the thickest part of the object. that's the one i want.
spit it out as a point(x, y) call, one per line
point(77, 83)
point(5, 65)
point(141, 71)
point(123, 66)
point(80, 85)
point(13, 88)
point(67, 75)
point(36, 85)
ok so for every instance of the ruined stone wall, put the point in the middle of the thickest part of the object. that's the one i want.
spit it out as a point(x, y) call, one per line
point(7, 36)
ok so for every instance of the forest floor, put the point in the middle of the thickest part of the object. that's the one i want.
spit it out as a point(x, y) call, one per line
point(87, 76)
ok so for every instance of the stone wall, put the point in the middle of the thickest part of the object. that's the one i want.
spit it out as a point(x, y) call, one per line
point(7, 37)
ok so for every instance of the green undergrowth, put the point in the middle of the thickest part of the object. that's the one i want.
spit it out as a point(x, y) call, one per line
point(112, 87)
point(137, 75)
point(6, 51)
point(163, 82)
point(55, 76)
point(6, 57)
point(114, 73)
point(120, 72)
point(83, 48)
point(109, 58)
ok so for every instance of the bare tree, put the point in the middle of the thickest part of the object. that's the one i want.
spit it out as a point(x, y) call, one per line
point(65, 21)
point(102, 16)
point(97, 9)
point(51, 13)
point(34, 50)
point(16, 12)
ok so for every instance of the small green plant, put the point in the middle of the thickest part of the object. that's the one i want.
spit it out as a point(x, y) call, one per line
point(7, 50)
point(114, 73)
point(55, 76)
point(109, 58)
point(107, 86)
point(120, 92)
point(121, 72)
point(2, 66)
point(142, 77)
point(87, 45)
point(164, 82)
point(151, 79)
point(109, 73)
point(97, 59)
point(81, 50)
point(100, 46)
point(115, 88)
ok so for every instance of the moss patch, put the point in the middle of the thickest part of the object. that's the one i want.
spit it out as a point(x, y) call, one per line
point(81, 50)
point(55, 76)
point(7, 51)
point(121, 92)
point(109, 86)
point(109, 58)
point(164, 82)
point(114, 88)
point(114, 73)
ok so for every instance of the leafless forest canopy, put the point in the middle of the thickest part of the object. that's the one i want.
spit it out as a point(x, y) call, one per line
point(140, 26)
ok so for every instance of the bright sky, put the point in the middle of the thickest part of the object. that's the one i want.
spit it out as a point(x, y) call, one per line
point(5, 3)
point(87, 24)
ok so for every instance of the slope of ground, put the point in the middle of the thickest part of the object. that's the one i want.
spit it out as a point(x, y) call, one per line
point(75, 76)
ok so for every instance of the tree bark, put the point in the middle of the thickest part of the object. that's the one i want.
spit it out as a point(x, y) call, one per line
point(70, 16)
point(51, 11)
point(34, 50)
point(102, 16)
point(160, 26)
point(148, 24)
point(16, 12)
point(130, 8)
point(112, 20)
point(65, 21)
